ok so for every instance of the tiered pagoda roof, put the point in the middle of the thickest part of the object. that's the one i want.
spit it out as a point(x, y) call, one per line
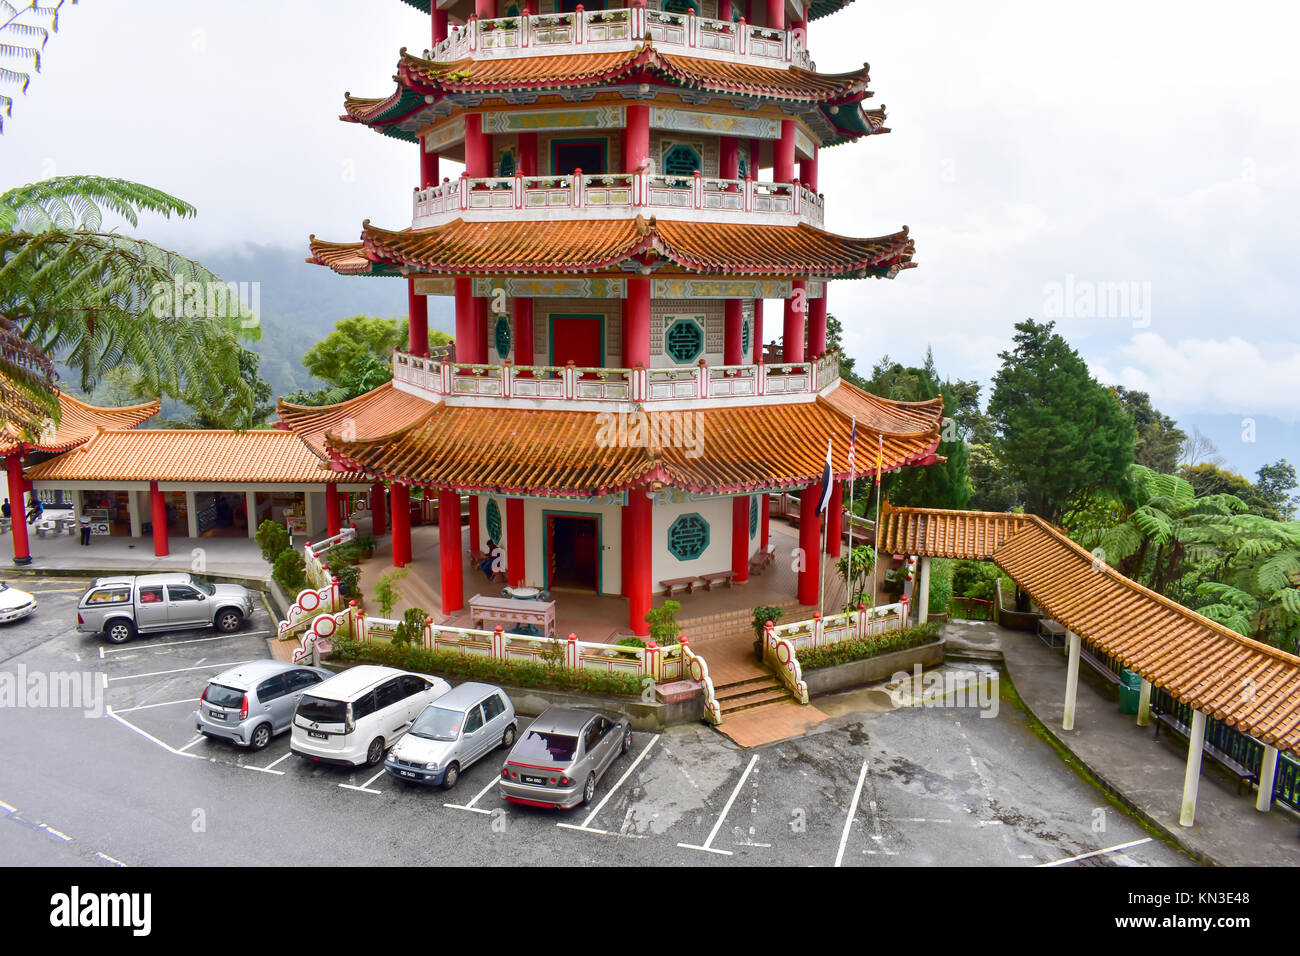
point(78, 423)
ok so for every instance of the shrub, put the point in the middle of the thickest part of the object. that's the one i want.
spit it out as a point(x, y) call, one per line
point(349, 580)
point(941, 574)
point(411, 628)
point(344, 554)
point(863, 648)
point(763, 614)
point(631, 642)
point(273, 538)
point(478, 667)
point(386, 593)
point(978, 579)
point(854, 568)
point(289, 572)
point(664, 628)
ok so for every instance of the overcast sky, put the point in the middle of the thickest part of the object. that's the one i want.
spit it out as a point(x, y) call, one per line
point(1041, 152)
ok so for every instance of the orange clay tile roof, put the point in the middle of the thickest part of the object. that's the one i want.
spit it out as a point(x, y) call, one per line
point(77, 423)
point(381, 411)
point(571, 246)
point(1199, 661)
point(267, 456)
point(564, 453)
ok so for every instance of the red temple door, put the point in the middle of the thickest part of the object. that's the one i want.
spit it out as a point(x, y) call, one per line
point(579, 339)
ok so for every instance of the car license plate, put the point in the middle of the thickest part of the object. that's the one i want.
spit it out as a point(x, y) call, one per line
point(407, 773)
point(215, 716)
point(318, 734)
point(537, 781)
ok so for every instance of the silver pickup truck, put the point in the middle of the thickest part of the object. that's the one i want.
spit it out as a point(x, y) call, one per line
point(121, 607)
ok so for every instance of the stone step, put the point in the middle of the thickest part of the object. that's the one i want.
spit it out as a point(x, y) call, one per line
point(739, 688)
point(755, 700)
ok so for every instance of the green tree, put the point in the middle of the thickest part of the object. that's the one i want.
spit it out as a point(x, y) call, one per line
point(1057, 431)
point(1274, 486)
point(1159, 439)
point(835, 342)
point(22, 39)
point(1209, 479)
point(355, 358)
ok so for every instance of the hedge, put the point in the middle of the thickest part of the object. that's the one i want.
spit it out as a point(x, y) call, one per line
point(864, 647)
point(478, 667)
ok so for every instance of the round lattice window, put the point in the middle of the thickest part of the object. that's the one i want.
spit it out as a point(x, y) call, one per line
point(688, 536)
point(681, 160)
point(493, 520)
point(501, 336)
point(684, 341)
point(753, 515)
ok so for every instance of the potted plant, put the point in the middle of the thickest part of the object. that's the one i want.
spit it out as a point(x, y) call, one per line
point(366, 547)
point(762, 614)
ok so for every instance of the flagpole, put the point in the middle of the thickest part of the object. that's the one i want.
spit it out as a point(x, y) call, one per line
point(821, 567)
point(875, 564)
point(853, 469)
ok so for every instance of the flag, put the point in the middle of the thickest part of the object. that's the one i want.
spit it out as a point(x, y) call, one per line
point(826, 482)
point(853, 444)
point(880, 460)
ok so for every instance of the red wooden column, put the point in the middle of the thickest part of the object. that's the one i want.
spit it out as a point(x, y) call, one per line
point(809, 532)
point(449, 556)
point(378, 524)
point(775, 15)
point(740, 537)
point(523, 309)
point(765, 508)
point(485, 9)
point(516, 554)
point(808, 171)
point(817, 326)
point(528, 154)
point(417, 308)
point(728, 153)
point(482, 323)
point(758, 333)
point(835, 520)
point(636, 136)
point(640, 548)
point(466, 323)
point(733, 327)
point(783, 154)
point(636, 323)
point(332, 523)
point(475, 539)
point(400, 495)
point(724, 14)
point(18, 508)
point(792, 335)
point(439, 25)
point(478, 150)
point(755, 151)
point(158, 512)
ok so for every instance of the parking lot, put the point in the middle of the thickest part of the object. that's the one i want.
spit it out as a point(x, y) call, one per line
point(139, 786)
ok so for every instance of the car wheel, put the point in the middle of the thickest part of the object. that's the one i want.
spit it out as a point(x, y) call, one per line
point(119, 632)
point(589, 790)
point(627, 740)
point(508, 738)
point(261, 737)
point(375, 753)
point(451, 776)
point(229, 620)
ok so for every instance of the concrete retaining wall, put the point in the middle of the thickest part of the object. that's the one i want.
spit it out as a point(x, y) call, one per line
point(827, 680)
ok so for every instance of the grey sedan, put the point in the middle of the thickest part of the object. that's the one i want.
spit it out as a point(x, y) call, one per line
point(249, 704)
point(559, 759)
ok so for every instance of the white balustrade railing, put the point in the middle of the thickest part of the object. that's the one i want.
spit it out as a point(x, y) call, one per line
point(625, 28)
point(578, 383)
point(619, 194)
point(819, 631)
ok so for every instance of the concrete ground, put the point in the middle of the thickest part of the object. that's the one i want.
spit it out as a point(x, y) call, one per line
point(933, 784)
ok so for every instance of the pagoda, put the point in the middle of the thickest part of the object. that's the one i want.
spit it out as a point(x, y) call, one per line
point(634, 182)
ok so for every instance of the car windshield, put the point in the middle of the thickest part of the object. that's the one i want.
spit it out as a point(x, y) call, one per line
point(203, 586)
point(320, 711)
point(221, 696)
point(438, 723)
point(536, 745)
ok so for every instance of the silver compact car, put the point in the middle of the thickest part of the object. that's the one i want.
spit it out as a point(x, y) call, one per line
point(559, 759)
point(251, 703)
point(464, 725)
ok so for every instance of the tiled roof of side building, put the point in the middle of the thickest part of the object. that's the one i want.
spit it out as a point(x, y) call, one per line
point(573, 246)
point(379, 412)
point(971, 535)
point(180, 455)
point(78, 422)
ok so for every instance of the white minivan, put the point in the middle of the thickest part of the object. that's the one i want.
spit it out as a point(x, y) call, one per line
point(353, 717)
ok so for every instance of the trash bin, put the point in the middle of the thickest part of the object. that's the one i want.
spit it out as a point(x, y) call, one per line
point(1130, 687)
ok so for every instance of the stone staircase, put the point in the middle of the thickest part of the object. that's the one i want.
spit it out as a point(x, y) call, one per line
point(729, 623)
point(751, 692)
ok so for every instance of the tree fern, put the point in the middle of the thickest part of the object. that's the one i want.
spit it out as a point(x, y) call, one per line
point(21, 43)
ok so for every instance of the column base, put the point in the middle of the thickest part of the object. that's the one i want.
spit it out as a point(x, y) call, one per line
point(22, 562)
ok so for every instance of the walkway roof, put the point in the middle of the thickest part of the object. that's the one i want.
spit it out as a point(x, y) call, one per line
point(78, 421)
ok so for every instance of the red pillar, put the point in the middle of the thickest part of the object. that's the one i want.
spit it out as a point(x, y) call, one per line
point(18, 508)
point(428, 167)
point(636, 136)
point(636, 323)
point(775, 15)
point(755, 151)
point(481, 326)
point(332, 523)
point(417, 308)
point(449, 556)
point(740, 537)
point(158, 509)
point(640, 544)
point(625, 552)
point(528, 154)
point(523, 309)
point(817, 326)
point(516, 554)
point(378, 524)
point(478, 159)
point(808, 171)
point(765, 508)
point(724, 14)
point(439, 25)
point(485, 9)
point(792, 335)
point(758, 332)
point(733, 323)
point(809, 532)
point(835, 520)
point(466, 323)
point(783, 158)
point(728, 152)
point(400, 495)
point(475, 539)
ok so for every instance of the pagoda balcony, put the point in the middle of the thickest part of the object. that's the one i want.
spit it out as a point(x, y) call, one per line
point(617, 196)
point(607, 31)
point(438, 378)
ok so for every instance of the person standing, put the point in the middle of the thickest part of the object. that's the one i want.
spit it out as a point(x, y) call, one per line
point(6, 510)
point(85, 530)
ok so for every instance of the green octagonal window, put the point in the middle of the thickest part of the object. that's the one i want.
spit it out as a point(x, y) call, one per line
point(753, 515)
point(501, 336)
point(688, 536)
point(493, 520)
point(684, 341)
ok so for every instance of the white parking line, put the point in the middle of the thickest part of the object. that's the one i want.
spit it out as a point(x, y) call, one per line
point(853, 811)
point(108, 859)
point(1109, 849)
point(365, 787)
point(198, 640)
point(148, 736)
point(53, 832)
point(166, 703)
point(197, 738)
point(641, 756)
point(478, 796)
point(707, 847)
point(269, 768)
point(179, 670)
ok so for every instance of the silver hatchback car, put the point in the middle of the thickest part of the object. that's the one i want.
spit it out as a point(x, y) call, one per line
point(462, 726)
point(561, 756)
point(251, 703)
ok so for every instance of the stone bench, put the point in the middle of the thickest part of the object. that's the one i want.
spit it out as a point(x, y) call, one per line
point(762, 559)
point(676, 584)
point(715, 577)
